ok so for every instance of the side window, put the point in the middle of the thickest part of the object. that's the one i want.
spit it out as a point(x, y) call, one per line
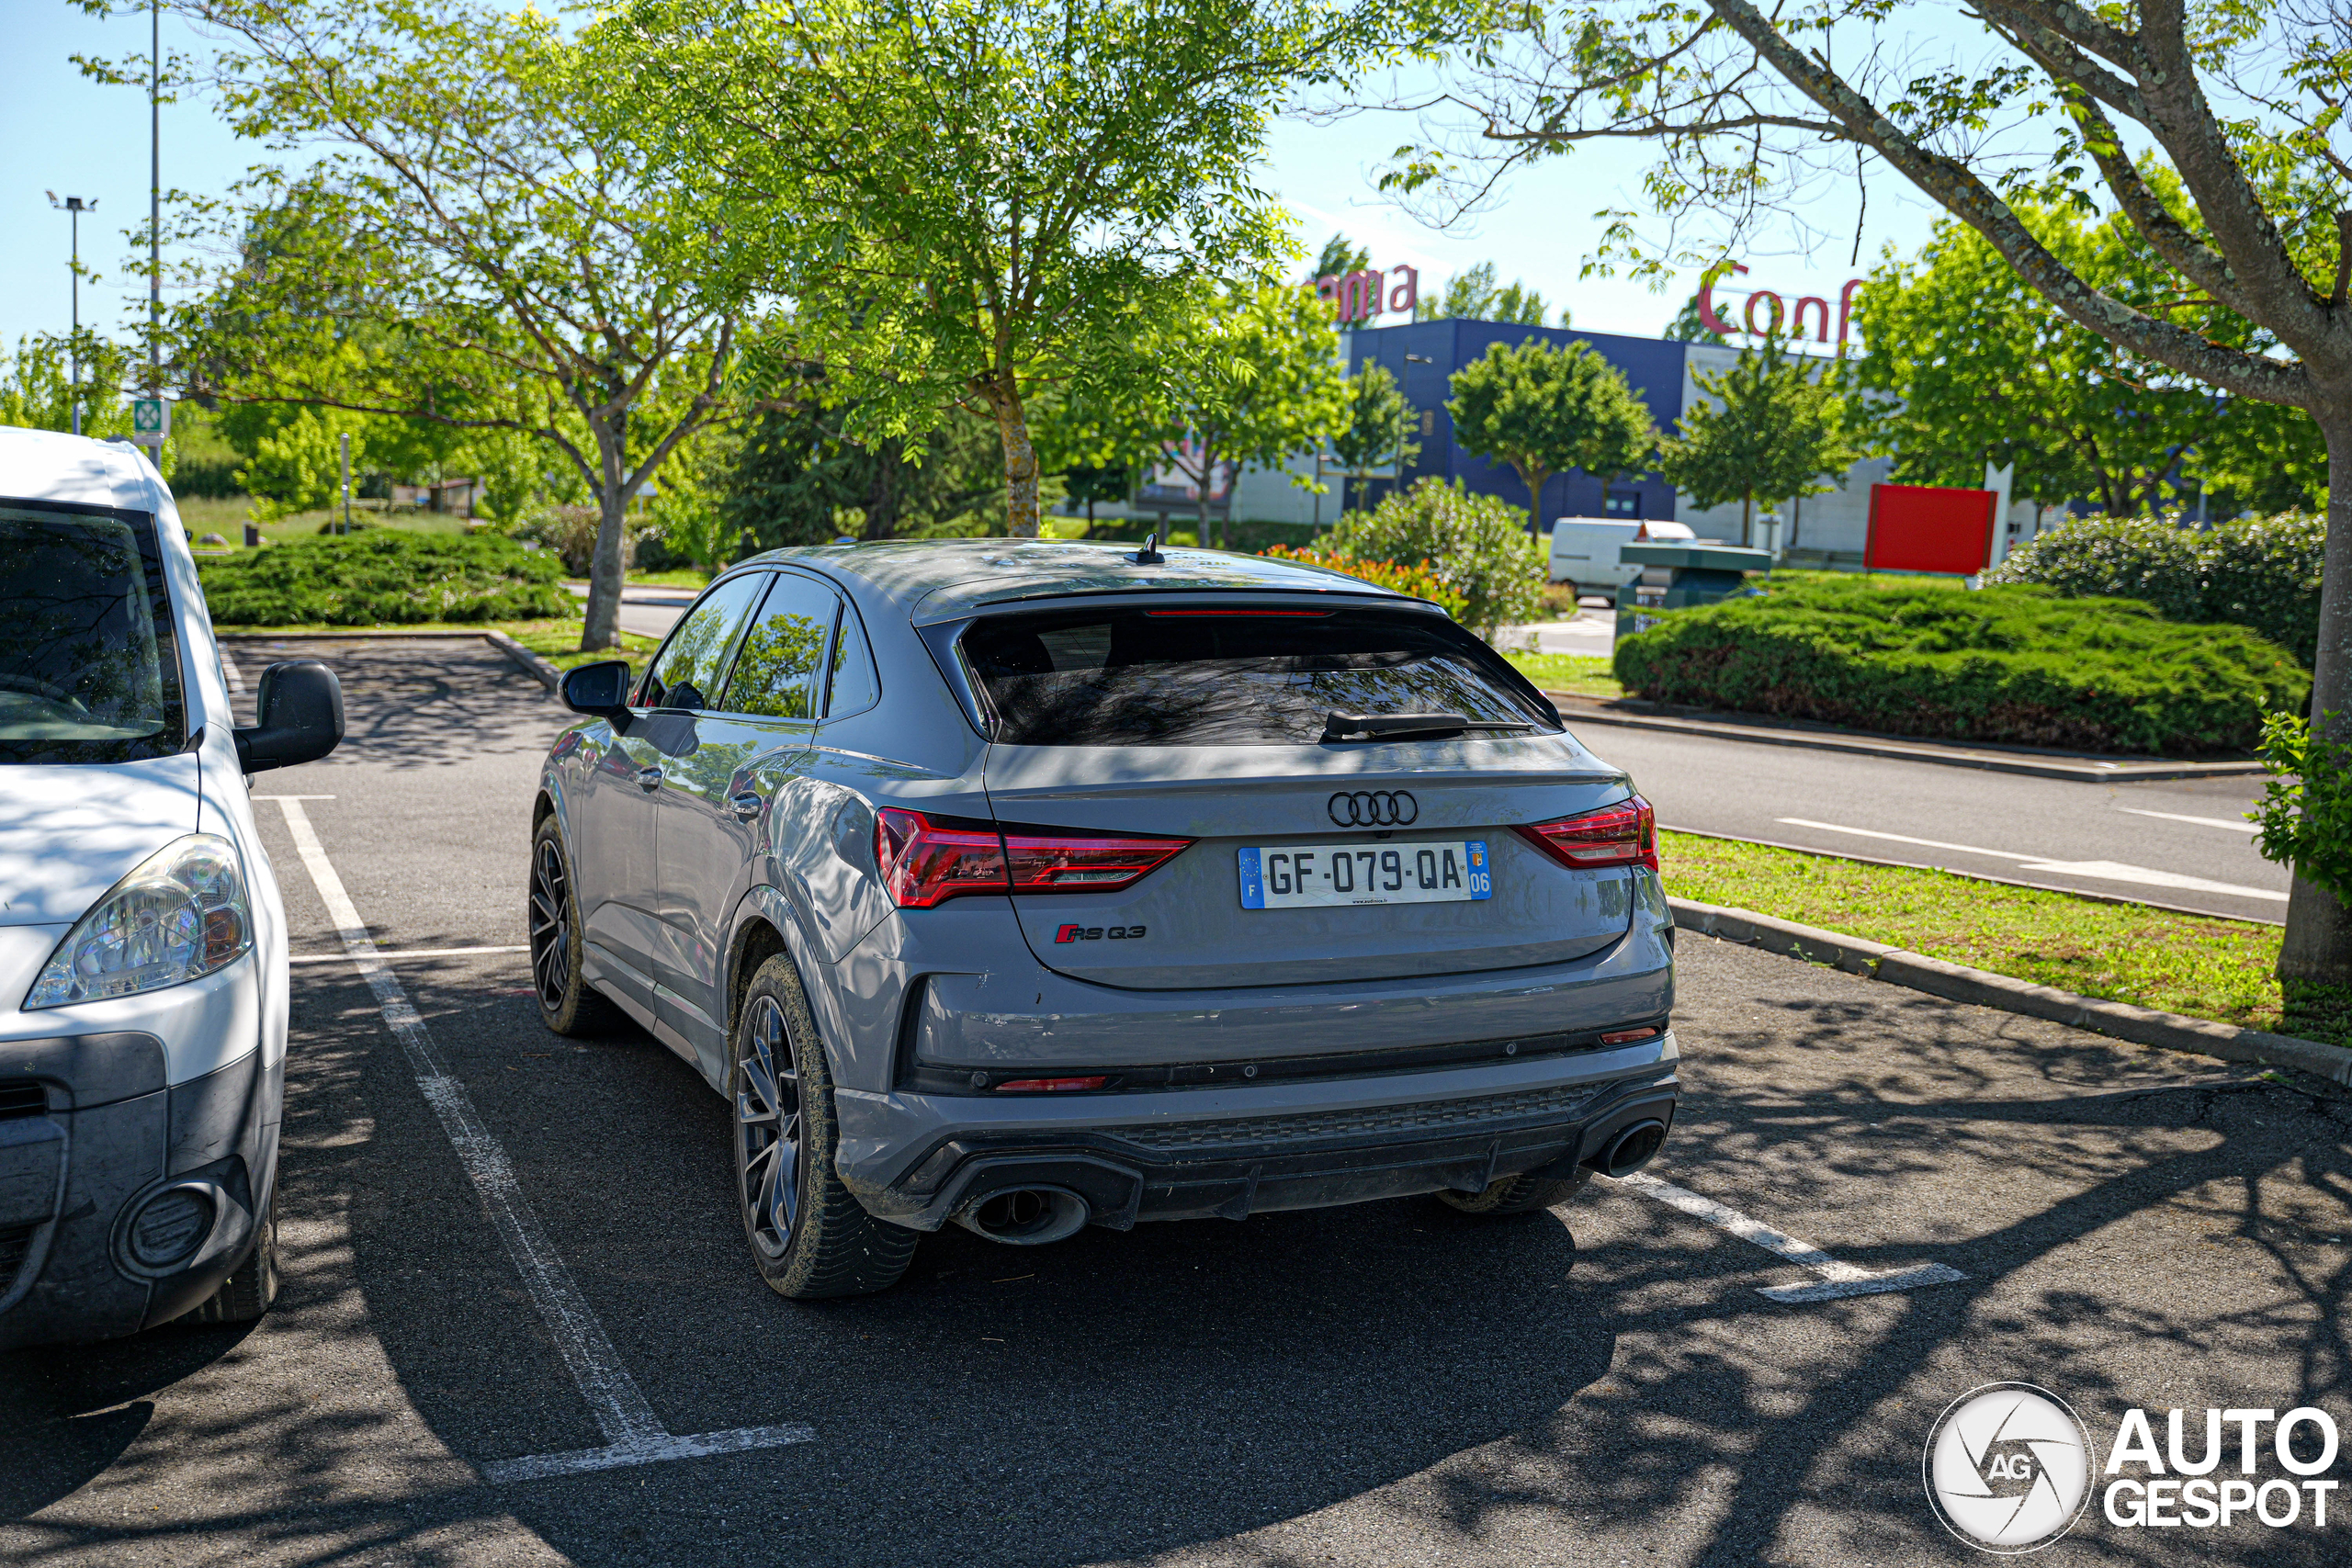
point(856, 687)
point(686, 672)
point(775, 672)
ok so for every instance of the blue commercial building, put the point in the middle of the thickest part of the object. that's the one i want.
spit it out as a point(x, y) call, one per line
point(1424, 355)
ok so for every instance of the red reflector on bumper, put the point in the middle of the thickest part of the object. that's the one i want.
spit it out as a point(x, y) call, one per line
point(1047, 1085)
point(1626, 1036)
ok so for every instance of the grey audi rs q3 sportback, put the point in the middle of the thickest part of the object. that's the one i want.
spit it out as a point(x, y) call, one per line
point(1030, 885)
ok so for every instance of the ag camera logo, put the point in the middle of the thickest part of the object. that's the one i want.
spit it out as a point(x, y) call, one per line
point(2008, 1467)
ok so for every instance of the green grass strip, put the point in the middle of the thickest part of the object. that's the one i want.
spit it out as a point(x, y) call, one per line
point(1579, 674)
point(2199, 966)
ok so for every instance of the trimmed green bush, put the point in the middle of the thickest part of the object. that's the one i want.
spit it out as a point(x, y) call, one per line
point(2261, 572)
point(386, 577)
point(1478, 547)
point(2016, 665)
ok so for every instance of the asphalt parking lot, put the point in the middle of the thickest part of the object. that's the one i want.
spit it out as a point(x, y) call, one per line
point(1391, 1384)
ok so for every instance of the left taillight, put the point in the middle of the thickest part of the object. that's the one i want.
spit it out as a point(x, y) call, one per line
point(1623, 834)
point(926, 859)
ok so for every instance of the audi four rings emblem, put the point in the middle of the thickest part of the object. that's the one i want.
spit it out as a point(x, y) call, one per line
point(1374, 809)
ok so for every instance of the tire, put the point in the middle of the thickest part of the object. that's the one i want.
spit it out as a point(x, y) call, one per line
point(568, 1004)
point(810, 1236)
point(1518, 1194)
point(245, 1295)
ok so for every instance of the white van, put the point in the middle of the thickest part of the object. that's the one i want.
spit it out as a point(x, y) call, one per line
point(142, 948)
point(1584, 550)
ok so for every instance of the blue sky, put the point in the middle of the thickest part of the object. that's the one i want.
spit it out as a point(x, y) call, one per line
point(74, 137)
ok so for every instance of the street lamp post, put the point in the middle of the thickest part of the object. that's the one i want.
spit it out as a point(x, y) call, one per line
point(155, 208)
point(74, 207)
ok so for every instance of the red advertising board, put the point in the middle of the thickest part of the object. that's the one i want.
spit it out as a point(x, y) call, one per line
point(1929, 528)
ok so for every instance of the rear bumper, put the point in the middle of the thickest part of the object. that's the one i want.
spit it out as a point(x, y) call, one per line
point(917, 1160)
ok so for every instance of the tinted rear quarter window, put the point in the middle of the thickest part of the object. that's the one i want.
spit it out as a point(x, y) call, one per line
point(1199, 676)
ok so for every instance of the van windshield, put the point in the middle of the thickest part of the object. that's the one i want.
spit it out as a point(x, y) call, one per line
point(1198, 675)
point(89, 669)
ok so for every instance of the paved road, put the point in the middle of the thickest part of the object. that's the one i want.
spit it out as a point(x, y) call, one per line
point(648, 611)
point(1387, 1384)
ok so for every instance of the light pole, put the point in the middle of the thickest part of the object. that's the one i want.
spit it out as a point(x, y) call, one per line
point(74, 206)
point(155, 208)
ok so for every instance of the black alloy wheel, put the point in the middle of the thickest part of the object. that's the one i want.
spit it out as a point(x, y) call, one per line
point(550, 923)
point(567, 1003)
point(768, 1143)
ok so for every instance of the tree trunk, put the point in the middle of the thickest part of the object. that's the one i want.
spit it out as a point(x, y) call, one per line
point(1536, 478)
point(1747, 505)
point(603, 625)
point(1208, 483)
point(2317, 950)
point(1019, 462)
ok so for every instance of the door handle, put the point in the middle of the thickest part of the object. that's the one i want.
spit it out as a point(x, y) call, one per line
point(649, 779)
point(745, 805)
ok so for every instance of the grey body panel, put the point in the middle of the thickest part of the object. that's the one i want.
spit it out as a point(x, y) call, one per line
point(976, 982)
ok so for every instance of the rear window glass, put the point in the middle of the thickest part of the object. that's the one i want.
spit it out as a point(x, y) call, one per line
point(1199, 677)
point(89, 670)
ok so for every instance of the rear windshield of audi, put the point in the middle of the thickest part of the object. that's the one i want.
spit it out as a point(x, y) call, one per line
point(1203, 676)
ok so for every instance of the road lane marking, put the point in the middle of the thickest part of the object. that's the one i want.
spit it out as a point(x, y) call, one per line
point(231, 673)
point(403, 953)
point(633, 1432)
point(2240, 826)
point(1836, 1279)
point(2098, 870)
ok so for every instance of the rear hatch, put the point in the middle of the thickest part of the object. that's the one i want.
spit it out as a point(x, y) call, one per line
point(1322, 850)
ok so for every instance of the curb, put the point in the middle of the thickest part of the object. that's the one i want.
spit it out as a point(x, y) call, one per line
point(1959, 983)
point(538, 669)
point(531, 664)
point(1589, 710)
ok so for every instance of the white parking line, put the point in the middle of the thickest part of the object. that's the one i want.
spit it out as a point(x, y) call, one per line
point(2097, 870)
point(2240, 826)
point(1836, 1279)
point(231, 673)
point(403, 953)
point(633, 1434)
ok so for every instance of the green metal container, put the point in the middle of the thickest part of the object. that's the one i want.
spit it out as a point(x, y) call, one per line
point(1675, 577)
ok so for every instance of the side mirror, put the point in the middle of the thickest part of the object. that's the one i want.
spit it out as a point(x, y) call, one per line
point(599, 690)
point(300, 709)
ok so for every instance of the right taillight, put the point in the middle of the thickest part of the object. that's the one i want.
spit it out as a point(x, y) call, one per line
point(926, 859)
point(1623, 834)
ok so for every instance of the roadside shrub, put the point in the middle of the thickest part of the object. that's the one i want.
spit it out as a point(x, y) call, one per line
point(571, 532)
point(2261, 572)
point(1417, 578)
point(2017, 665)
point(2305, 813)
point(386, 575)
point(1476, 545)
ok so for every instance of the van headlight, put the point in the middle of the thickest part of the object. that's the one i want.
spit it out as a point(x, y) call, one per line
point(180, 915)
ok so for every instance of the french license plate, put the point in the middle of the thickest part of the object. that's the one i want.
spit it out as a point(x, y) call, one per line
point(1299, 876)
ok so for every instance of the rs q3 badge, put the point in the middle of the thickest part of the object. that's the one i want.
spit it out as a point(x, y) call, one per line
point(1095, 933)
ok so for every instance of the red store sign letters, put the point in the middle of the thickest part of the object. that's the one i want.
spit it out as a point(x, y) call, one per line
point(1778, 313)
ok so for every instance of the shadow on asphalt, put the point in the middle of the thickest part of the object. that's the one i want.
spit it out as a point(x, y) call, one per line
point(69, 1412)
point(415, 702)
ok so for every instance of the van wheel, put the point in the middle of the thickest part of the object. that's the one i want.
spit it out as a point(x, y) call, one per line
point(567, 1003)
point(245, 1295)
point(1518, 1194)
point(809, 1235)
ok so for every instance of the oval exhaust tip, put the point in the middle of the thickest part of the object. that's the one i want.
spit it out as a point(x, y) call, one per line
point(1632, 1148)
point(1025, 1216)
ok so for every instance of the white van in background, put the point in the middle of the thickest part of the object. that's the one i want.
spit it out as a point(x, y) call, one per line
point(1584, 550)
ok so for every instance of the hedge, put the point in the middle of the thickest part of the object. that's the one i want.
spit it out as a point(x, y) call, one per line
point(2260, 573)
point(386, 577)
point(2017, 665)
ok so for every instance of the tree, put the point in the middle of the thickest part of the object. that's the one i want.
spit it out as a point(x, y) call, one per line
point(1777, 428)
point(1543, 410)
point(1261, 380)
point(1342, 256)
point(971, 204)
point(1471, 295)
point(1972, 366)
point(1377, 438)
point(474, 241)
point(794, 478)
point(1752, 112)
point(1687, 326)
point(37, 391)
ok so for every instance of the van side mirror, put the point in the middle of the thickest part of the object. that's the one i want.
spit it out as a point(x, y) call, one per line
point(299, 707)
point(599, 690)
